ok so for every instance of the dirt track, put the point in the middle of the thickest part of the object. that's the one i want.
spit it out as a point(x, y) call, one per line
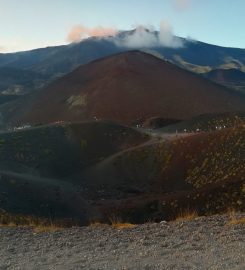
point(204, 243)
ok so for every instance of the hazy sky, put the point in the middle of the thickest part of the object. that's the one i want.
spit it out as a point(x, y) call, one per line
point(26, 24)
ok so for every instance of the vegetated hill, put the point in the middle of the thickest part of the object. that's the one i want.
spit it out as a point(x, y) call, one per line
point(61, 150)
point(206, 123)
point(128, 88)
point(59, 60)
point(203, 172)
point(18, 82)
point(39, 166)
point(53, 62)
point(94, 171)
point(232, 78)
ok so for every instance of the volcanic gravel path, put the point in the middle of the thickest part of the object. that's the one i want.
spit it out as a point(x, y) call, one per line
point(203, 243)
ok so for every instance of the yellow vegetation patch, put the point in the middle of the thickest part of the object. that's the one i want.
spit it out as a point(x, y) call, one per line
point(220, 161)
point(237, 221)
point(36, 224)
point(77, 100)
point(233, 219)
point(11, 225)
point(46, 228)
point(123, 225)
point(95, 224)
point(36, 228)
point(187, 215)
point(117, 223)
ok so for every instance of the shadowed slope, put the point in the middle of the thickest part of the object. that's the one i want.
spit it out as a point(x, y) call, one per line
point(97, 170)
point(233, 78)
point(204, 172)
point(61, 150)
point(39, 166)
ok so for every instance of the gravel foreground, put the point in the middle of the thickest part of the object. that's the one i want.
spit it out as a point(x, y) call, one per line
point(204, 243)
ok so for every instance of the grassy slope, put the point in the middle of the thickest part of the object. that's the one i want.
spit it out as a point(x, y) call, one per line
point(206, 122)
point(203, 172)
point(63, 150)
point(95, 170)
point(39, 166)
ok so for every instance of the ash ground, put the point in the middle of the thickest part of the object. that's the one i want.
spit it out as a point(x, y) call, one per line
point(203, 243)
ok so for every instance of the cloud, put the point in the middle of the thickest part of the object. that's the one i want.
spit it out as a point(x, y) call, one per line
point(147, 37)
point(2, 49)
point(79, 32)
point(182, 5)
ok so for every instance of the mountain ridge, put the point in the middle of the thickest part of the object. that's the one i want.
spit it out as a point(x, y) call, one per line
point(56, 61)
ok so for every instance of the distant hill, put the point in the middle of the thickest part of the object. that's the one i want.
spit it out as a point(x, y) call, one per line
point(56, 61)
point(15, 81)
point(127, 88)
point(53, 62)
point(232, 78)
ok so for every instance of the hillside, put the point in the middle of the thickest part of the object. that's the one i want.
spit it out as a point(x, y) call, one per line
point(205, 123)
point(40, 167)
point(7, 98)
point(63, 149)
point(15, 81)
point(97, 170)
point(232, 78)
point(210, 170)
point(53, 62)
point(146, 87)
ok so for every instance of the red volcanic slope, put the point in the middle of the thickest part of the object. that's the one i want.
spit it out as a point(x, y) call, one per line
point(128, 87)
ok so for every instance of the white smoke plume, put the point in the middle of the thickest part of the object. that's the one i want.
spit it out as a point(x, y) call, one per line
point(79, 32)
point(167, 38)
point(142, 37)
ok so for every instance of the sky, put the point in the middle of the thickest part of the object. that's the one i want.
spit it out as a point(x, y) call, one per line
point(28, 24)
